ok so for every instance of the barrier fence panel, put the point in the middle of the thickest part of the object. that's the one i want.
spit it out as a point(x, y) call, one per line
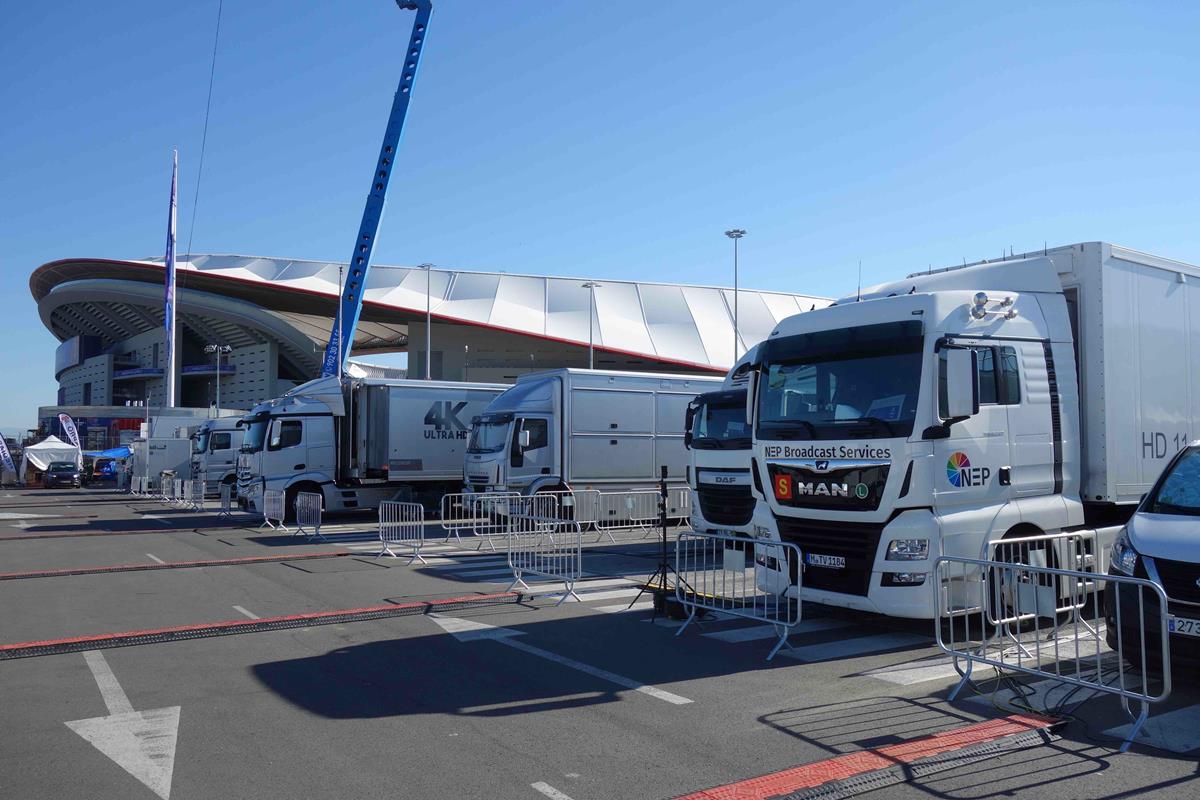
point(489, 514)
point(273, 509)
point(579, 505)
point(225, 492)
point(176, 491)
point(712, 575)
point(194, 494)
point(1103, 633)
point(540, 542)
point(632, 510)
point(308, 515)
point(460, 512)
point(401, 525)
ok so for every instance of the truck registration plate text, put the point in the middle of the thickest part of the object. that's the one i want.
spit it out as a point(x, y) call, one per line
point(1183, 627)
point(819, 560)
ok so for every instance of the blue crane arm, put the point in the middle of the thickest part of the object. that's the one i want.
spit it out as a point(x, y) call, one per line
point(360, 261)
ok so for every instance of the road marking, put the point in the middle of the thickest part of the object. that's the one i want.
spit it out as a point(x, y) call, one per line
point(620, 608)
point(444, 564)
point(468, 630)
point(24, 515)
point(754, 634)
point(1177, 731)
point(155, 558)
point(920, 671)
point(481, 573)
point(158, 519)
point(863, 645)
point(609, 595)
point(140, 742)
point(246, 613)
point(582, 587)
point(549, 791)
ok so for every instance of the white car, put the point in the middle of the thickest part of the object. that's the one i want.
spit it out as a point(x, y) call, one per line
point(1161, 542)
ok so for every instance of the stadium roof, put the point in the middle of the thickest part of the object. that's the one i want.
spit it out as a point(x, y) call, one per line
point(226, 295)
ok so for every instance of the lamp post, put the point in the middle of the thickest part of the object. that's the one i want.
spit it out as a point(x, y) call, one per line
point(218, 349)
point(428, 317)
point(735, 234)
point(591, 286)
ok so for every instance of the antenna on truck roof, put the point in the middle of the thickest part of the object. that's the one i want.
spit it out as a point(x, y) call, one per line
point(859, 300)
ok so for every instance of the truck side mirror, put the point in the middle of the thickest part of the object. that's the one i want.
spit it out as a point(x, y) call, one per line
point(751, 392)
point(688, 419)
point(524, 439)
point(962, 384)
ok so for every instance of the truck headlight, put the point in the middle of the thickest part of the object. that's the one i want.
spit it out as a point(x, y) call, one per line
point(908, 550)
point(1124, 557)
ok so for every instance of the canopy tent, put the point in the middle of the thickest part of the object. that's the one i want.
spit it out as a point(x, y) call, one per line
point(115, 452)
point(49, 449)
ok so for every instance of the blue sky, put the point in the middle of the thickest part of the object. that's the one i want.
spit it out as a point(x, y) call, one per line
point(614, 139)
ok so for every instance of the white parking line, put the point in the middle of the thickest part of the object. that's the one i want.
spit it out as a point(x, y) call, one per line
point(482, 573)
point(582, 588)
point(155, 558)
point(609, 595)
point(1177, 731)
point(621, 608)
point(246, 613)
point(758, 632)
point(549, 791)
point(919, 671)
point(445, 564)
point(863, 645)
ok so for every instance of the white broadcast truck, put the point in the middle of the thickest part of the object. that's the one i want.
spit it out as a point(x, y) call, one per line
point(215, 445)
point(719, 442)
point(580, 429)
point(1034, 395)
point(359, 441)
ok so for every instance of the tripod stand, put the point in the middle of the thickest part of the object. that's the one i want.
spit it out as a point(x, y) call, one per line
point(657, 584)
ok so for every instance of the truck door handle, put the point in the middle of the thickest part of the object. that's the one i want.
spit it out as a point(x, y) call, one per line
point(298, 466)
point(1005, 476)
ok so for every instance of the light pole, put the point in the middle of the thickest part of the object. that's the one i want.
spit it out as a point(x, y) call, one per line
point(218, 349)
point(735, 234)
point(428, 317)
point(591, 286)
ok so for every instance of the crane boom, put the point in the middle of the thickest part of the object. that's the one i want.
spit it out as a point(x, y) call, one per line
point(350, 303)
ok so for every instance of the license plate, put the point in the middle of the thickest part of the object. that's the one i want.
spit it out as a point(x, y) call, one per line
point(819, 560)
point(1184, 627)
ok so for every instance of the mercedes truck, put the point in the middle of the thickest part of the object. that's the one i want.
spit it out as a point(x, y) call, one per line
point(928, 416)
point(215, 445)
point(357, 442)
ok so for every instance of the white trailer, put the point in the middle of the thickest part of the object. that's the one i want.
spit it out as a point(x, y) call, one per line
point(151, 457)
point(360, 441)
point(583, 429)
point(1035, 395)
point(215, 445)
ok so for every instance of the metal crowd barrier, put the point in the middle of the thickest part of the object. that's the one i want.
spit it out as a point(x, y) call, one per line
point(632, 510)
point(472, 511)
point(996, 613)
point(273, 509)
point(540, 542)
point(226, 494)
point(401, 525)
point(308, 515)
point(193, 494)
point(712, 575)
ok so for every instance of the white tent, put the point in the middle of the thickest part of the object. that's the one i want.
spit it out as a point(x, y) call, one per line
point(49, 449)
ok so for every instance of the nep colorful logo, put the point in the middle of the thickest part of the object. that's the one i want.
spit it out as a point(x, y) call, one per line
point(960, 473)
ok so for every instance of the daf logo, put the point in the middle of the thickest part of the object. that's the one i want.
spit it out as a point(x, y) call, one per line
point(726, 479)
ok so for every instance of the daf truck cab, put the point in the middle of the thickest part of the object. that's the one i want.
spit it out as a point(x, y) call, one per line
point(929, 416)
point(215, 446)
point(719, 447)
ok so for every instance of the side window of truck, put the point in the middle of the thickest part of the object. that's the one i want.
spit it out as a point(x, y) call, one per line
point(999, 377)
point(219, 441)
point(539, 433)
point(285, 433)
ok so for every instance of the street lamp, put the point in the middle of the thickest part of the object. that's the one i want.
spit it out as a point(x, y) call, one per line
point(428, 317)
point(218, 349)
point(591, 286)
point(735, 234)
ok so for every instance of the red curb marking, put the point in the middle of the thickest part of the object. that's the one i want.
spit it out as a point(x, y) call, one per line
point(853, 764)
point(139, 567)
point(251, 624)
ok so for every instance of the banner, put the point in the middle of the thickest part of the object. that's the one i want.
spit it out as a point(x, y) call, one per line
point(6, 457)
point(68, 426)
point(169, 297)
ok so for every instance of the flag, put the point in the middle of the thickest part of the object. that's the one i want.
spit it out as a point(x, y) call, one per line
point(6, 457)
point(169, 297)
point(68, 426)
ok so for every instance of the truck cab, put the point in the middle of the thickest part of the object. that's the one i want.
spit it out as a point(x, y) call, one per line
point(719, 442)
point(215, 447)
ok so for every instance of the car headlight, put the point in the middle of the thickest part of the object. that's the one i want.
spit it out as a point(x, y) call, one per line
point(1124, 557)
point(908, 550)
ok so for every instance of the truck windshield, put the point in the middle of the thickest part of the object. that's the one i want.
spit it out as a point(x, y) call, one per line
point(256, 434)
point(200, 442)
point(720, 423)
point(1179, 490)
point(489, 434)
point(852, 383)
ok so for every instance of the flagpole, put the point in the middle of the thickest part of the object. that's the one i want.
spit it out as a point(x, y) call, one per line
point(169, 294)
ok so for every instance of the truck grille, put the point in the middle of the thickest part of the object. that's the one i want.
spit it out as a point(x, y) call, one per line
point(857, 542)
point(725, 505)
point(1179, 579)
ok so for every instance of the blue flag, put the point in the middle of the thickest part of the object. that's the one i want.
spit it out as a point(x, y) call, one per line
point(169, 297)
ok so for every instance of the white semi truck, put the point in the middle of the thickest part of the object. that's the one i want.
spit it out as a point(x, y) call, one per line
point(1034, 395)
point(360, 441)
point(719, 449)
point(215, 446)
point(583, 429)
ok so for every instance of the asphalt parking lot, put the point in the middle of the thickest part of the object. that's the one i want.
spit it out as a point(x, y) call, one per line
point(501, 697)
